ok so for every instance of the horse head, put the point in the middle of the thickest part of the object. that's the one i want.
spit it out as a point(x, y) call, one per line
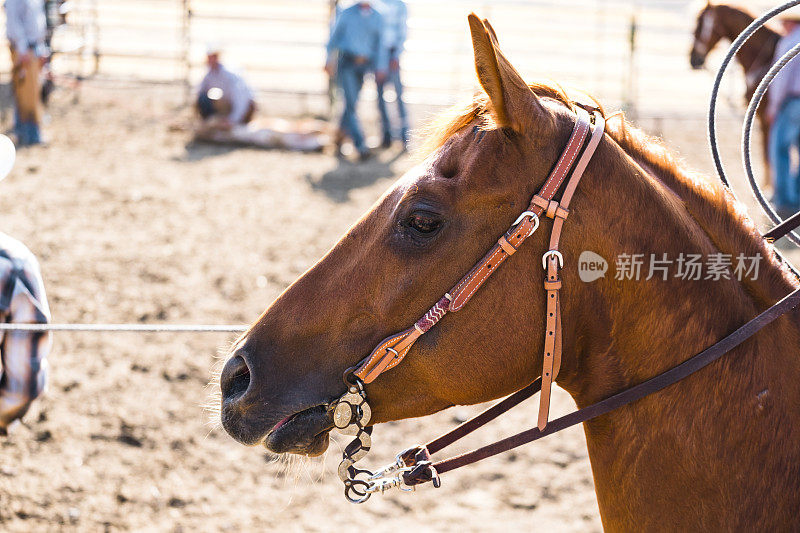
point(706, 35)
point(438, 220)
point(419, 239)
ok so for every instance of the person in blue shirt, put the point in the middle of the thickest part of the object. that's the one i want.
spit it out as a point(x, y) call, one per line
point(783, 113)
point(357, 36)
point(26, 30)
point(395, 14)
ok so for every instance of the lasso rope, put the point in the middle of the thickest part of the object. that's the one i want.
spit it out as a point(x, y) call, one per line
point(712, 108)
point(139, 328)
point(751, 110)
point(746, 130)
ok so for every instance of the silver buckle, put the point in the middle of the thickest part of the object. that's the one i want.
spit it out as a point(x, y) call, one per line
point(533, 216)
point(554, 253)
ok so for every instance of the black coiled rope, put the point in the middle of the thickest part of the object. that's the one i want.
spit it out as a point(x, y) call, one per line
point(748, 124)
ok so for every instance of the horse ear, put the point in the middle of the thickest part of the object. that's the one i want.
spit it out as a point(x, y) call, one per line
point(510, 96)
point(492, 33)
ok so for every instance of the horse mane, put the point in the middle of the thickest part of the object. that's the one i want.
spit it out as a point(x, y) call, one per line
point(743, 11)
point(711, 205)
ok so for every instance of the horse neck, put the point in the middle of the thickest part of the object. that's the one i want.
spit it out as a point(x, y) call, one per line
point(680, 443)
point(758, 50)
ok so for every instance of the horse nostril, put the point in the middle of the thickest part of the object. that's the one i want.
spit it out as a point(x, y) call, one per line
point(235, 378)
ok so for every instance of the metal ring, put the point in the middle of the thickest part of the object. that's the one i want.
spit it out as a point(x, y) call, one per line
point(554, 253)
point(533, 216)
point(361, 497)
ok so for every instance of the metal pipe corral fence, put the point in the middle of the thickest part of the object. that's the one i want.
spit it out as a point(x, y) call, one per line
point(629, 53)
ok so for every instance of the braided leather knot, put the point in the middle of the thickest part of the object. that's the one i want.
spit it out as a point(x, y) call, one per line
point(433, 315)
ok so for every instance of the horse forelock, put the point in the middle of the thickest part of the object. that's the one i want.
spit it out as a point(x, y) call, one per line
point(477, 112)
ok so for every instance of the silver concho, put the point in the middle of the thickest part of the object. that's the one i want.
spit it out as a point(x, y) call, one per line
point(342, 415)
point(351, 414)
point(366, 414)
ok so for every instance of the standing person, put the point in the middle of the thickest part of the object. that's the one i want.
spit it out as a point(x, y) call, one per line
point(55, 12)
point(223, 95)
point(23, 372)
point(357, 36)
point(395, 14)
point(26, 29)
point(783, 113)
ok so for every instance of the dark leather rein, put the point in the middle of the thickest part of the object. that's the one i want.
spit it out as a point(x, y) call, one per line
point(414, 466)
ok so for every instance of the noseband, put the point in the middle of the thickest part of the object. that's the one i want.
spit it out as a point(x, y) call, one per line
point(414, 466)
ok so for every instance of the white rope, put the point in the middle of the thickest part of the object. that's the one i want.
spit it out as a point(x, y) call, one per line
point(142, 328)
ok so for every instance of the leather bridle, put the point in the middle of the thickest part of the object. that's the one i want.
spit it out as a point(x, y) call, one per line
point(351, 412)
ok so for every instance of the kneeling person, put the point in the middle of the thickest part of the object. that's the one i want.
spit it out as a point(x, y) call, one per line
point(224, 97)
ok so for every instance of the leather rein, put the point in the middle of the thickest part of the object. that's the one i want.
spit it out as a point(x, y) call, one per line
point(414, 466)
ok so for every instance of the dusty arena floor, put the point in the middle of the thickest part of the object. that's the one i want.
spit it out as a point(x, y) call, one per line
point(132, 224)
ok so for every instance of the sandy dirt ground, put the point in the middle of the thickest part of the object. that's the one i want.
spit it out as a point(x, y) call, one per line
point(133, 223)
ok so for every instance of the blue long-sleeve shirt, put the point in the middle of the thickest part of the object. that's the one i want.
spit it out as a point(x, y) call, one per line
point(26, 25)
point(395, 16)
point(360, 32)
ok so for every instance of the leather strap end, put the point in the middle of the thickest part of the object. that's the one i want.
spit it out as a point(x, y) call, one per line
point(544, 406)
point(387, 355)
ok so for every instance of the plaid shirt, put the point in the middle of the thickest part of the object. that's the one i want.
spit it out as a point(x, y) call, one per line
point(23, 354)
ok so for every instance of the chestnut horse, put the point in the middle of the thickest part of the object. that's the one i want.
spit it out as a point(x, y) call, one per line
point(716, 451)
point(717, 22)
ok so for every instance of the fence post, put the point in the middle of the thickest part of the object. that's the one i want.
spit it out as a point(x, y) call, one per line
point(186, 41)
point(629, 91)
point(96, 32)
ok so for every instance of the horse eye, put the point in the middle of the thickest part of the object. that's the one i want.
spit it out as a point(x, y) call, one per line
point(423, 223)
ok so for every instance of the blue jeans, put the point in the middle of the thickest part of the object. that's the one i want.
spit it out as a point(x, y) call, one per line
point(27, 132)
point(351, 78)
point(783, 138)
point(393, 77)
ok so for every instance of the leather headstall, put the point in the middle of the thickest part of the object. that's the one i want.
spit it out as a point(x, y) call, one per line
point(569, 168)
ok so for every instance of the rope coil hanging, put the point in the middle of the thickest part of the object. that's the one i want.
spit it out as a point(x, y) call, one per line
point(751, 110)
